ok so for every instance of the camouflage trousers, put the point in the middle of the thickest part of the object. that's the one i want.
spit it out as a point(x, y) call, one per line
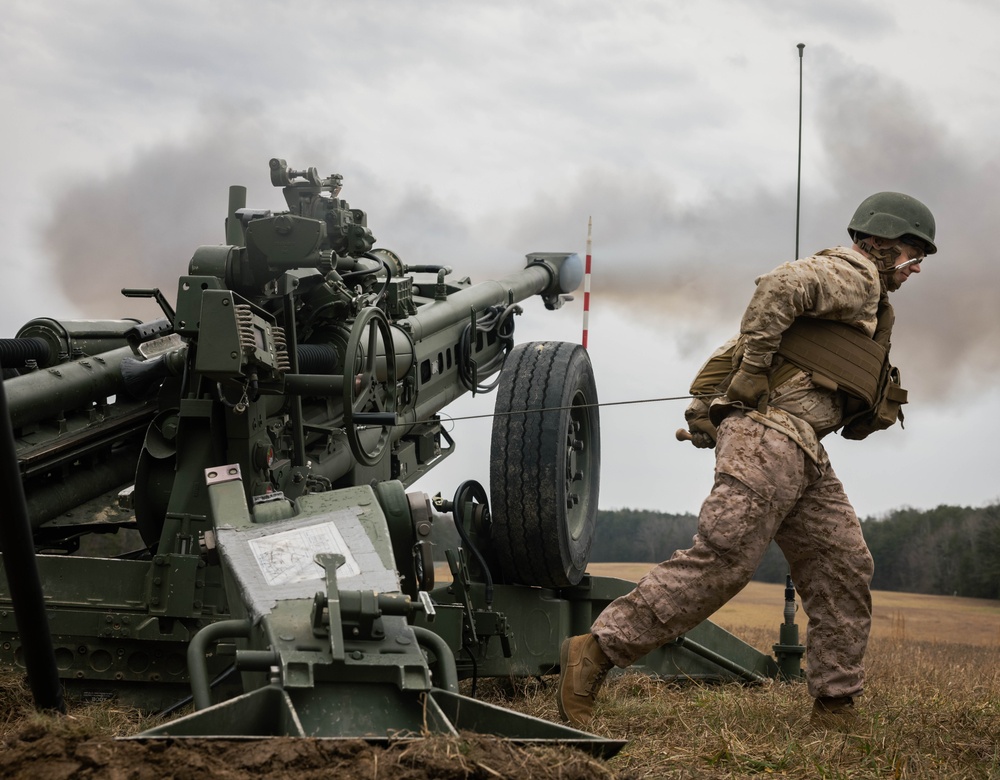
point(765, 488)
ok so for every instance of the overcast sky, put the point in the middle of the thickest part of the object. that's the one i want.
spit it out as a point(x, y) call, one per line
point(475, 133)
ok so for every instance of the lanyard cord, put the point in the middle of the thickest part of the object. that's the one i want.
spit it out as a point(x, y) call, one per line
point(564, 408)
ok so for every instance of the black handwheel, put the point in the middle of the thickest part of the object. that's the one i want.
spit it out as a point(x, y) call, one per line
point(545, 464)
point(363, 392)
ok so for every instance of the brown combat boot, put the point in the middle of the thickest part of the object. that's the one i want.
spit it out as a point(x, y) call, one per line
point(582, 669)
point(833, 712)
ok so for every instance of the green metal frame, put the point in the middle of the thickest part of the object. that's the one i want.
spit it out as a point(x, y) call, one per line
point(288, 578)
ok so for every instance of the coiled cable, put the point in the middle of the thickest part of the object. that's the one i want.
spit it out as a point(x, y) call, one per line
point(498, 321)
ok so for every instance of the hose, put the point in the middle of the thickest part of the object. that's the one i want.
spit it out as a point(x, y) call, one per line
point(14, 353)
point(498, 320)
point(457, 510)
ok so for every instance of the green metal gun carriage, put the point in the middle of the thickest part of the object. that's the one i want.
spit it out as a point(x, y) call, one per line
point(260, 438)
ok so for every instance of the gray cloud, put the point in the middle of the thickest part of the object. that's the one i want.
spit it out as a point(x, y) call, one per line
point(691, 266)
point(683, 268)
point(878, 135)
point(138, 226)
point(473, 133)
point(858, 18)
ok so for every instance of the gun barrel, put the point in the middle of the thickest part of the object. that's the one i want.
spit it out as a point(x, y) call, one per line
point(50, 392)
point(70, 339)
point(540, 277)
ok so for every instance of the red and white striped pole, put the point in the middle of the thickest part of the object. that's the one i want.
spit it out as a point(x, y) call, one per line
point(586, 286)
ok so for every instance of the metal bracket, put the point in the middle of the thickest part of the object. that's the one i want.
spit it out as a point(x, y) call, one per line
point(331, 562)
point(462, 583)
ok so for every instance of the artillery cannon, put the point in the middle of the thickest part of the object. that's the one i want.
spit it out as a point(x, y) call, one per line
point(260, 438)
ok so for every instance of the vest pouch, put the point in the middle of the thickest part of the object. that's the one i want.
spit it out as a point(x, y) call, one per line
point(884, 413)
point(715, 374)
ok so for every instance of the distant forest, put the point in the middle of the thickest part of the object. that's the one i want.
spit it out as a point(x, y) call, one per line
point(949, 550)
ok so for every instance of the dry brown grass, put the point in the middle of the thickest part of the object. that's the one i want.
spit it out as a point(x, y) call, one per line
point(931, 710)
point(896, 615)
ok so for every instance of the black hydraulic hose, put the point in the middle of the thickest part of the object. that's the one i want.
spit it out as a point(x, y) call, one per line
point(22, 576)
point(317, 358)
point(219, 678)
point(475, 669)
point(388, 275)
point(498, 319)
point(458, 510)
point(350, 275)
point(16, 352)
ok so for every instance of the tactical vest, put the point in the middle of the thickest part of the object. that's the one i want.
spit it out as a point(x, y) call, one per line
point(838, 357)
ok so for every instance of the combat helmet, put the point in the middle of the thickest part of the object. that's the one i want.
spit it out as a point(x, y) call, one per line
point(893, 215)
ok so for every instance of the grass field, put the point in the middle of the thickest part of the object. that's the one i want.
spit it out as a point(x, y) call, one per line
point(931, 709)
point(896, 616)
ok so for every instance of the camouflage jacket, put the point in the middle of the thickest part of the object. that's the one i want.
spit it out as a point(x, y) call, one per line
point(836, 284)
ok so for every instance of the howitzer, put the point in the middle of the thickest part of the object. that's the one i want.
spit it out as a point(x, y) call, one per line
point(260, 438)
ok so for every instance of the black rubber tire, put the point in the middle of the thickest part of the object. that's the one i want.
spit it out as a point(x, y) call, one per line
point(540, 460)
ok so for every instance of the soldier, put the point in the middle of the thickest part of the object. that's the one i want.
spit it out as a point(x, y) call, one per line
point(811, 357)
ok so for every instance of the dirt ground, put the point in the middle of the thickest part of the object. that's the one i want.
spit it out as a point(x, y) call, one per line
point(39, 753)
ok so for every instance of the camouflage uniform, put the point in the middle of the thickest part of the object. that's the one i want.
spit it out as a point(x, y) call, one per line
point(773, 480)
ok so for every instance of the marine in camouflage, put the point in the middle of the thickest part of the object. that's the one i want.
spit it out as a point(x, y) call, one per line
point(773, 480)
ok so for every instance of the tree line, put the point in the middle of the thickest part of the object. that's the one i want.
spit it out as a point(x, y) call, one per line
point(949, 550)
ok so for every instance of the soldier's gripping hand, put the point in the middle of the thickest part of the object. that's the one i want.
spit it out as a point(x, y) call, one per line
point(703, 433)
point(750, 387)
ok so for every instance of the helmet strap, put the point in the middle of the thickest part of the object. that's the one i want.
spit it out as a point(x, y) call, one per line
point(885, 258)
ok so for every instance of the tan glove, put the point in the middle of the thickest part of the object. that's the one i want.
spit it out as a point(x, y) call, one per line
point(750, 387)
point(703, 433)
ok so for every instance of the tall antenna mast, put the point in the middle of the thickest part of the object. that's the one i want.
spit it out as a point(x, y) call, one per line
point(798, 181)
